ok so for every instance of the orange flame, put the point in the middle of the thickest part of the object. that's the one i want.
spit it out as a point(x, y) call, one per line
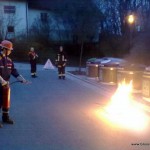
point(123, 112)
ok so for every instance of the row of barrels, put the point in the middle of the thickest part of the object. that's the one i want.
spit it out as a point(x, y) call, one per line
point(114, 74)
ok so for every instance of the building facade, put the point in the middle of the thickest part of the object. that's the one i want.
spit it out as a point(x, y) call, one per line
point(13, 18)
point(17, 18)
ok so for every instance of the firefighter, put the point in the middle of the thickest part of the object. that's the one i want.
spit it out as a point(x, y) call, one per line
point(6, 70)
point(61, 63)
point(33, 60)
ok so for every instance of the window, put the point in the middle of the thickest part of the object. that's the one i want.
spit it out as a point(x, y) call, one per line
point(10, 32)
point(10, 28)
point(44, 17)
point(9, 9)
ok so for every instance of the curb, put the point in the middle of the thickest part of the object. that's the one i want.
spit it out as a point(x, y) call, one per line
point(106, 91)
point(101, 86)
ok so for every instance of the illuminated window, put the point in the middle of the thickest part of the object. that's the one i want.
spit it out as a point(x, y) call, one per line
point(9, 9)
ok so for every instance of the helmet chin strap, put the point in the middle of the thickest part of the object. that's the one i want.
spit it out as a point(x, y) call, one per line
point(5, 53)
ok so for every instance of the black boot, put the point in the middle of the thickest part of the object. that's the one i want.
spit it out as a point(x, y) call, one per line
point(34, 76)
point(6, 119)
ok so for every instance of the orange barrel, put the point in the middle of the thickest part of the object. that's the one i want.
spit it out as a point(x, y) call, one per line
point(6, 97)
point(92, 70)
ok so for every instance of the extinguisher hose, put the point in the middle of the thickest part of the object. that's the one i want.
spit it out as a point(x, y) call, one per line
point(28, 82)
point(14, 82)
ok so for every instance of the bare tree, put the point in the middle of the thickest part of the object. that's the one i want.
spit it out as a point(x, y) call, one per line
point(40, 30)
point(82, 19)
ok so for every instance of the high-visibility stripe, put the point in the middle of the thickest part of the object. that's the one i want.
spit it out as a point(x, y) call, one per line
point(9, 64)
point(58, 58)
point(62, 57)
point(7, 67)
point(5, 112)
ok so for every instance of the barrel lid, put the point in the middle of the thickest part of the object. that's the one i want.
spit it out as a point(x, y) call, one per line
point(105, 61)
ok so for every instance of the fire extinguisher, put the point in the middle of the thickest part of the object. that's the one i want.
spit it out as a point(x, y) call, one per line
point(6, 97)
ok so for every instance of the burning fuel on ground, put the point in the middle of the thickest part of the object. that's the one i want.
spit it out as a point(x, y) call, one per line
point(122, 112)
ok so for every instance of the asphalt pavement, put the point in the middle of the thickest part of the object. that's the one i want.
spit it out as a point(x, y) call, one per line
point(53, 114)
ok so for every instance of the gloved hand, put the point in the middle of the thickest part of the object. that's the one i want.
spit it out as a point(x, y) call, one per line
point(21, 79)
point(6, 85)
point(2, 81)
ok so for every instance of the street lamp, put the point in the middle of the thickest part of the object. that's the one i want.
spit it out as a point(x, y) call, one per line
point(131, 20)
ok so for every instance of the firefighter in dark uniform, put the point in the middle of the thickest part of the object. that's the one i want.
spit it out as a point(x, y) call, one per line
point(6, 70)
point(33, 60)
point(61, 63)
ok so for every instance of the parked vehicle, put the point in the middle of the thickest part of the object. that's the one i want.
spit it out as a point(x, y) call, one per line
point(107, 61)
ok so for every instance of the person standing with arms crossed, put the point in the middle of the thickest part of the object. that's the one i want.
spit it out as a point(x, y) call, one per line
point(33, 60)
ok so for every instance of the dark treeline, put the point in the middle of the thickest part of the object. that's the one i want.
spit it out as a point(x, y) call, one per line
point(96, 28)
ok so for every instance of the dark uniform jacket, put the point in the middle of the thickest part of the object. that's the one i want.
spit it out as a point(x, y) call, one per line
point(61, 59)
point(7, 68)
point(32, 57)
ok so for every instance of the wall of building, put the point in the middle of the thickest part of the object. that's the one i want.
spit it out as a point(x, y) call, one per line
point(23, 17)
point(58, 31)
point(16, 18)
